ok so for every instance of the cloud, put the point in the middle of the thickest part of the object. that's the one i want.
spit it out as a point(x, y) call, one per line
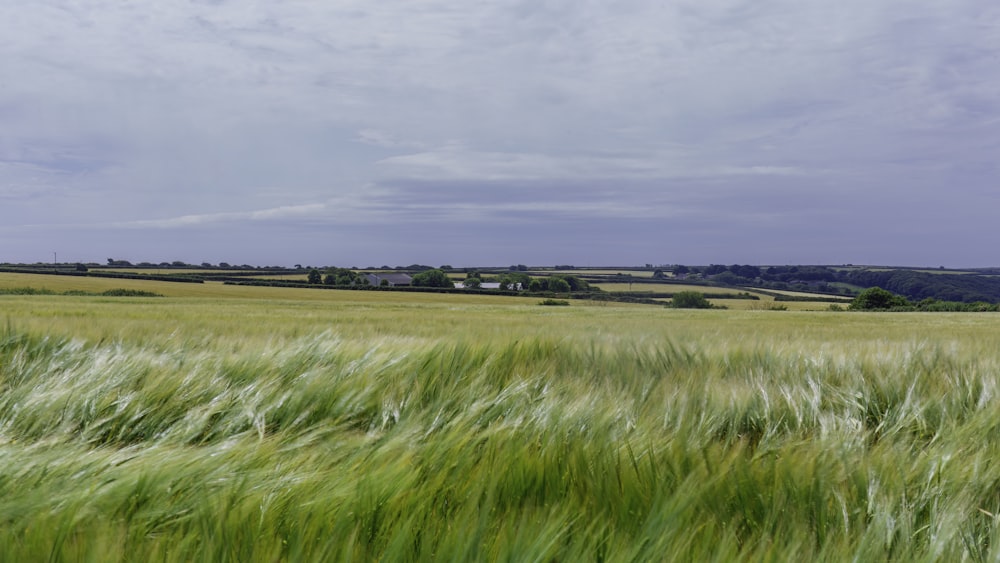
point(277, 213)
point(383, 139)
point(456, 161)
point(400, 113)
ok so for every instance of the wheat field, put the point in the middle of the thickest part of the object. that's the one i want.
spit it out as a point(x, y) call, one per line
point(378, 426)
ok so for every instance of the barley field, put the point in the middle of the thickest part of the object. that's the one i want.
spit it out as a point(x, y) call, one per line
point(264, 424)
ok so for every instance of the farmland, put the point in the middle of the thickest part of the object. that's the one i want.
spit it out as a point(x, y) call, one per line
point(240, 423)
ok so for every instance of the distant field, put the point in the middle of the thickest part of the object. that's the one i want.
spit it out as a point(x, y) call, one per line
point(62, 284)
point(166, 271)
point(669, 288)
point(286, 277)
point(584, 272)
point(923, 271)
point(763, 303)
point(807, 294)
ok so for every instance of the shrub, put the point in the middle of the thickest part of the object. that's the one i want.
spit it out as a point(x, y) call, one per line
point(119, 292)
point(689, 300)
point(26, 291)
point(878, 299)
point(767, 306)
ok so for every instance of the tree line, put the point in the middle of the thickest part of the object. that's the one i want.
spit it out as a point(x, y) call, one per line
point(915, 285)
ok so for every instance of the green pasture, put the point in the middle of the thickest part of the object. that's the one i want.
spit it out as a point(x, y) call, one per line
point(238, 423)
point(303, 278)
point(168, 271)
point(648, 274)
point(805, 294)
point(647, 287)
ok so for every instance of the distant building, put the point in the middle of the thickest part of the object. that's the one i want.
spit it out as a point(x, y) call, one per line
point(492, 285)
point(391, 280)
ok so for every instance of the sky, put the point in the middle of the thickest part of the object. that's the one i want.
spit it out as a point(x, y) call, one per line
point(497, 132)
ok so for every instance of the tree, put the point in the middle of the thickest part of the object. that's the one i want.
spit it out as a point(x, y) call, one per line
point(747, 271)
point(473, 283)
point(558, 285)
point(315, 277)
point(730, 278)
point(877, 299)
point(510, 281)
point(689, 300)
point(575, 283)
point(432, 278)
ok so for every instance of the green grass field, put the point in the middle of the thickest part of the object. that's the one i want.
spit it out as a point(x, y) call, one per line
point(227, 423)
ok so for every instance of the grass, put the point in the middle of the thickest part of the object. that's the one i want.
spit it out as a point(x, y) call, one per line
point(647, 287)
point(806, 294)
point(417, 427)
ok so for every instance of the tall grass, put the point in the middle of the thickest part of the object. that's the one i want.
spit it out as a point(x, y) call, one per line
point(627, 435)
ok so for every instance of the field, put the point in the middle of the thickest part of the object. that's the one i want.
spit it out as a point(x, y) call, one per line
point(230, 423)
point(667, 288)
point(763, 299)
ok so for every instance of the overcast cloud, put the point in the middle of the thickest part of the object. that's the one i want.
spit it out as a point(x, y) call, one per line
point(496, 132)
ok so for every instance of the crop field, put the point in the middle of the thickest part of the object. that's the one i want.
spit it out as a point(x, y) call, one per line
point(665, 288)
point(805, 294)
point(164, 271)
point(763, 299)
point(264, 424)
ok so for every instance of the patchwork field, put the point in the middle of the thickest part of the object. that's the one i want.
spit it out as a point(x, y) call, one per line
point(232, 423)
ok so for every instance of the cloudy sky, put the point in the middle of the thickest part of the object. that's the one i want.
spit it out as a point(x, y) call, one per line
point(350, 132)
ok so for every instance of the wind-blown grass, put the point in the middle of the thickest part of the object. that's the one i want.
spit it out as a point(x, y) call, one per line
point(628, 434)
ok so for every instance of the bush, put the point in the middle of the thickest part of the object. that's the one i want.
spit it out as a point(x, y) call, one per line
point(767, 306)
point(26, 291)
point(878, 299)
point(119, 292)
point(554, 302)
point(689, 300)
